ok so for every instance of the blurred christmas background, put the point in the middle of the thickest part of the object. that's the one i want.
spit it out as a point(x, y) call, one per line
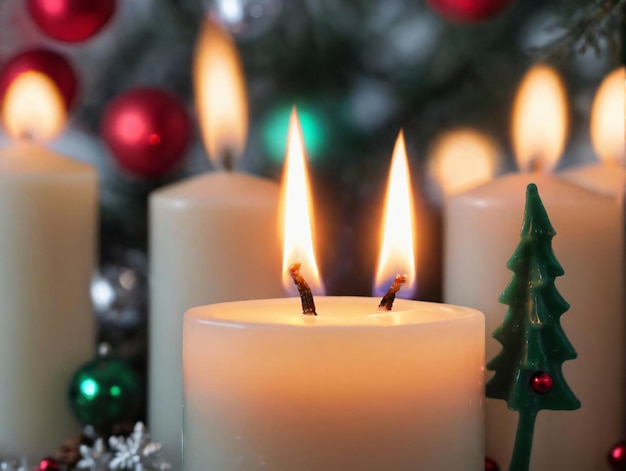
point(358, 71)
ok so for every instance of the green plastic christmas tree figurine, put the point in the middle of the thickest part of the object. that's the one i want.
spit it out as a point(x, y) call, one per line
point(528, 372)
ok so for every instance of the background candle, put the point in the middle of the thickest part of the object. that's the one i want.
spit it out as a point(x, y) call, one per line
point(482, 230)
point(458, 160)
point(48, 209)
point(206, 233)
point(607, 137)
point(353, 388)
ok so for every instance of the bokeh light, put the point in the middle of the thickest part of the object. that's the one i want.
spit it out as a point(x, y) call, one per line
point(275, 132)
point(461, 159)
point(89, 388)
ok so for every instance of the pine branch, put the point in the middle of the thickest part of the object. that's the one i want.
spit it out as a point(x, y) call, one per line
point(586, 25)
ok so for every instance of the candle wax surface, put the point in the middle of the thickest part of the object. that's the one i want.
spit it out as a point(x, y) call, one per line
point(334, 312)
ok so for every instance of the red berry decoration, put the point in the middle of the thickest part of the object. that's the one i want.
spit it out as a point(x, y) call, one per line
point(617, 456)
point(48, 464)
point(147, 130)
point(468, 11)
point(51, 63)
point(71, 20)
point(491, 465)
point(541, 383)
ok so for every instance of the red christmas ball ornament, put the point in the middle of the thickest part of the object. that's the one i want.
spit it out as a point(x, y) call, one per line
point(48, 464)
point(468, 11)
point(617, 456)
point(491, 465)
point(147, 130)
point(47, 62)
point(71, 20)
point(541, 383)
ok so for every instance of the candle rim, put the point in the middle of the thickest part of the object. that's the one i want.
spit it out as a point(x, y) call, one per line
point(18, 161)
point(214, 186)
point(404, 310)
point(549, 184)
point(606, 180)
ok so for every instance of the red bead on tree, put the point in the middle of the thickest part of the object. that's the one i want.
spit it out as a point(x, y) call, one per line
point(541, 383)
point(71, 20)
point(491, 465)
point(147, 130)
point(50, 63)
point(617, 456)
point(468, 11)
point(49, 464)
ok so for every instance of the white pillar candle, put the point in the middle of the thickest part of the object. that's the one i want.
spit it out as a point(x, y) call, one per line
point(482, 231)
point(48, 209)
point(213, 237)
point(352, 388)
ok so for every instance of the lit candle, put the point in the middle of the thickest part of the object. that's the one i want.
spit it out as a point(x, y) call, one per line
point(352, 387)
point(607, 137)
point(482, 230)
point(48, 209)
point(206, 232)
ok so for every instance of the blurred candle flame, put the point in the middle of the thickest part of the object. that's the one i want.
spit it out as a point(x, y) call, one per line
point(462, 159)
point(33, 107)
point(297, 212)
point(397, 255)
point(539, 120)
point(220, 93)
point(607, 119)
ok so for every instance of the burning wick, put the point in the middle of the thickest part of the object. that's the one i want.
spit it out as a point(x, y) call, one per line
point(387, 302)
point(228, 160)
point(536, 165)
point(28, 135)
point(308, 305)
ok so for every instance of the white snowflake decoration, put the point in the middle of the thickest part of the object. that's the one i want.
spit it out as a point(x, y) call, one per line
point(137, 452)
point(13, 465)
point(94, 458)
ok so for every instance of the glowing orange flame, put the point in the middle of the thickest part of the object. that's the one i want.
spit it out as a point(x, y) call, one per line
point(220, 93)
point(607, 118)
point(540, 120)
point(397, 255)
point(462, 159)
point(297, 225)
point(33, 107)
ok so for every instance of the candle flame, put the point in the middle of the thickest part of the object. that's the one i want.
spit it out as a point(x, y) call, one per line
point(607, 118)
point(540, 120)
point(397, 254)
point(462, 159)
point(33, 107)
point(297, 210)
point(220, 93)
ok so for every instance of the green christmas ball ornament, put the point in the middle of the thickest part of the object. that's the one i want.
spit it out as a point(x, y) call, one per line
point(104, 392)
